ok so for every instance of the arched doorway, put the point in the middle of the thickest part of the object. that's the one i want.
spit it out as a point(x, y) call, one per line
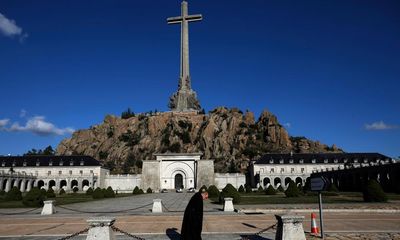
point(74, 184)
point(40, 184)
point(52, 184)
point(299, 181)
point(277, 182)
point(266, 182)
point(4, 184)
point(85, 185)
point(178, 181)
point(287, 181)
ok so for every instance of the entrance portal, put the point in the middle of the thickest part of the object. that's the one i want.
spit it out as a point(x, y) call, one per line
point(178, 181)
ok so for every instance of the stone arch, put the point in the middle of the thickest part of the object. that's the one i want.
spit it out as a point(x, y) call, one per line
point(85, 184)
point(63, 184)
point(177, 175)
point(74, 184)
point(13, 182)
point(4, 185)
point(277, 182)
point(266, 182)
point(52, 183)
point(299, 181)
point(287, 181)
point(40, 184)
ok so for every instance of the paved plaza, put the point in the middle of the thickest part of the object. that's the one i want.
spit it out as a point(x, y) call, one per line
point(133, 215)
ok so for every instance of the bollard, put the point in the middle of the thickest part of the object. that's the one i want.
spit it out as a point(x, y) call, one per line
point(100, 228)
point(48, 208)
point(157, 207)
point(228, 205)
point(290, 227)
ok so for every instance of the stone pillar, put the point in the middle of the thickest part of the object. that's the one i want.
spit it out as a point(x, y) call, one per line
point(48, 208)
point(1, 184)
point(57, 184)
point(100, 228)
point(16, 182)
point(28, 188)
point(228, 205)
point(8, 185)
point(23, 185)
point(35, 183)
point(290, 227)
point(157, 207)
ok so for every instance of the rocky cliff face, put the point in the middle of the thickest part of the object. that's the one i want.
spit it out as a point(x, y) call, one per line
point(226, 135)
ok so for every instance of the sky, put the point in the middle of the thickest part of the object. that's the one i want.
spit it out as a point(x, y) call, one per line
point(329, 70)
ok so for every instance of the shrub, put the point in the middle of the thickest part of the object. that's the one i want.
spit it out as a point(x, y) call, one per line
point(13, 195)
point(249, 189)
point(241, 189)
point(50, 193)
point(136, 190)
point(205, 189)
point(270, 190)
point(43, 191)
point(2, 193)
point(280, 188)
point(89, 191)
point(373, 192)
point(213, 191)
point(292, 190)
point(260, 189)
point(98, 193)
point(109, 193)
point(141, 191)
point(62, 191)
point(229, 191)
point(34, 198)
point(149, 190)
point(333, 188)
point(75, 189)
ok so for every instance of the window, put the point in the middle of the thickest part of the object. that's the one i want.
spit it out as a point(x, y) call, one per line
point(91, 171)
point(61, 163)
point(301, 161)
point(37, 163)
point(356, 160)
point(291, 161)
point(281, 161)
point(36, 173)
point(271, 161)
point(70, 172)
point(261, 170)
point(49, 173)
point(71, 163)
point(50, 163)
point(302, 170)
point(13, 164)
point(272, 170)
point(292, 170)
point(81, 172)
point(365, 160)
point(325, 160)
point(335, 161)
point(24, 164)
point(3, 164)
point(313, 161)
point(282, 170)
point(59, 172)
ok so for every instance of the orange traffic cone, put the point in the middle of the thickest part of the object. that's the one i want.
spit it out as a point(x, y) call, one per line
point(314, 227)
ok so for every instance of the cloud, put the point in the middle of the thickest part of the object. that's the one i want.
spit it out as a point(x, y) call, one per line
point(38, 125)
point(380, 126)
point(9, 28)
point(4, 122)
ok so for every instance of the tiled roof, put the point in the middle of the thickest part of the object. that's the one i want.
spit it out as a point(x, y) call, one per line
point(320, 158)
point(39, 161)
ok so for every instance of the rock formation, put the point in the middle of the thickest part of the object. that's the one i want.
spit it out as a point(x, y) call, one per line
point(225, 135)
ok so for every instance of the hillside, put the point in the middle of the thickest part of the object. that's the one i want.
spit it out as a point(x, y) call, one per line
point(228, 136)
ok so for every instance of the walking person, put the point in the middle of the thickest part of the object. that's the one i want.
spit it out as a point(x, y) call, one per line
point(192, 223)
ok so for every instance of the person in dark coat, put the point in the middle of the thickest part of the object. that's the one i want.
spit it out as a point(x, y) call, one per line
point(192, 223)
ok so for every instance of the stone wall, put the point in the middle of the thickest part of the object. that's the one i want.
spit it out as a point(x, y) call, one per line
point(123, 183)
point(150, 177)
point(236, 179)
point(205, 174)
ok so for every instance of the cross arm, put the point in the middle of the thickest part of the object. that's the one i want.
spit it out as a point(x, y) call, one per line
point(174, 20)
point(193, 18)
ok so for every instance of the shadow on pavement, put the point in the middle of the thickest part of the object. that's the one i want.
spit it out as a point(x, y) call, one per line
point(253, 237)
point(173, 234)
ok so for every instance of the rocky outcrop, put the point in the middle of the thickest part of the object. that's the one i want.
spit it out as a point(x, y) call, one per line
point(226, 135)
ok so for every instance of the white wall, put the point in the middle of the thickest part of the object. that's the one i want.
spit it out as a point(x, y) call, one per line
point(236, 179)
point(123, 183)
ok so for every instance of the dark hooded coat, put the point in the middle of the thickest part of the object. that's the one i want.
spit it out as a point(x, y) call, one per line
point(192, 223)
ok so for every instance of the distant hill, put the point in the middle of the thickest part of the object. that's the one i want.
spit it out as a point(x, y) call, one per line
point(229, 136)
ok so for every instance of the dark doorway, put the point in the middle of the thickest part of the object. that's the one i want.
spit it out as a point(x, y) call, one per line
point(178, 181)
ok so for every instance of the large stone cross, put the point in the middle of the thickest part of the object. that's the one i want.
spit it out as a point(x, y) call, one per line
point(184, 19)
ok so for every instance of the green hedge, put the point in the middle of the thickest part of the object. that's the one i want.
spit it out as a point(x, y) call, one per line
point(241, 189)
point(50, 193)
point(270, 190)
point(136, 190)
point(292, 190)
point(213, 191)
point(109, 193)
point(34, 198)
point(229, 191)
point(373, 192)
point(98, 193)
point(13, 195)
point(89, 191)
point(149, 190)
